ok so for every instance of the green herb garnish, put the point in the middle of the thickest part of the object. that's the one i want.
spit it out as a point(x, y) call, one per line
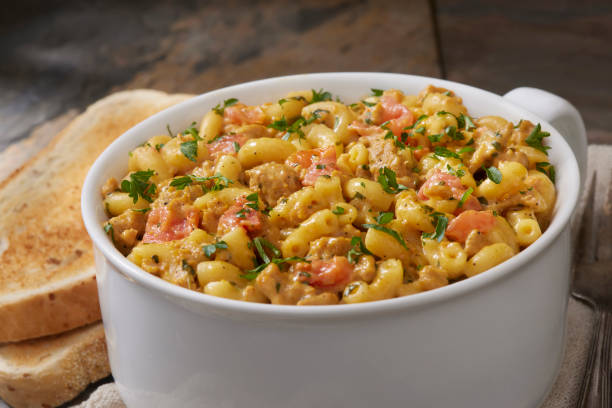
point(536, 137)
point(188, 268)
point(389, 231)
point(358, 249)
point(388, 181)
point(260, 245)
point(253, 201)
point(141, 210)
point(338, 210)
point(442, 151)
point(440, 221)
point(191, 130)
point(228, 102)
point(138, 185)
point(377, 92)
point(320, 96)
point(210, 249)
point(541, 167)
point(465, 196)
point(108, 227)
point(384, 218)
point(220, 183)
point(190, 150)
point(493, 174)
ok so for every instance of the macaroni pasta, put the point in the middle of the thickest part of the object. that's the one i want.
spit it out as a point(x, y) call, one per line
point(308, 200)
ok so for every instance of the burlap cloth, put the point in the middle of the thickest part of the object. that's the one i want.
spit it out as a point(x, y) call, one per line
point(564, 392)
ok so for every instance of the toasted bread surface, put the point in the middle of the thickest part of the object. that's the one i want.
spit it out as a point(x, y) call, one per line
point(51, 370)
point(47, 277)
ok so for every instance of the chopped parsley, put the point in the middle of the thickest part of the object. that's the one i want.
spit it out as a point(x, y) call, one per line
point(435, 138)
point(493, 174)
point(190, 150)
point(168, 129)
point(388, 181)
point(442, 151)
point(220, 182)
point(253, 201)
point(368, 104)
point(458, 173)
point(384, 218)
point(467, 122)
point(536, 137)
point(141, 210)
point(209, 250)
point(188, 268)
point(358, 249)
point(389, 231)
point(108, 227)
point(228, 102)
point(419, 119)
point(440, 221)
point(280, 124)
point(465, 196)
point(260, 245)
point(338, 210)
point(377, 92)
point(320, 96)
point(466, 149)
point(191, 130)
point(542, 166)
point(296, 127)
point(138, 185)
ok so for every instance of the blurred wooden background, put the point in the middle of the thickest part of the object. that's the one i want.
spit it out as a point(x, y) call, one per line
point(59, 56)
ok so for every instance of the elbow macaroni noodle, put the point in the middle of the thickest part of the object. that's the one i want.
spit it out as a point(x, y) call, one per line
point(308, 200)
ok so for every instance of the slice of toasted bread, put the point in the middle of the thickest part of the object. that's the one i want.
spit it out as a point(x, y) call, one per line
point(51, 370)
point(47, 278)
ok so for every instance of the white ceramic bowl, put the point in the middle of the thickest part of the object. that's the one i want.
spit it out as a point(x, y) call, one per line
point(494, 340)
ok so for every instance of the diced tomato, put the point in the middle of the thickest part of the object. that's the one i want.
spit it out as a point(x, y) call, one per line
point(397, 126)
point(420, 153)
point(392, 108)
point(461, 226)
point(447, 186)
point(225, 145)
point(471, 203)
point(171, 222)
point(442, 185)
point(240, 215)
point(330, 275)
point(314, 163)
point(241, 114)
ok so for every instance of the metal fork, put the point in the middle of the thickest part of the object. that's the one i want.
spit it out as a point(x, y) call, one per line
point(593, 286)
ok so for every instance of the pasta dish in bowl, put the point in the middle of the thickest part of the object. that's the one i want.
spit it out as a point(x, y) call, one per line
point(426, 219)
point(308, 200)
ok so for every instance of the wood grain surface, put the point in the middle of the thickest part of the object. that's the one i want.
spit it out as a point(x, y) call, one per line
point(60, 55)
point(560, 46)
point(63, 55)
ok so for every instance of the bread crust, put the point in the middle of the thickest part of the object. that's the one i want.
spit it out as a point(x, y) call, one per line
point(50, 371)
point(47, 278)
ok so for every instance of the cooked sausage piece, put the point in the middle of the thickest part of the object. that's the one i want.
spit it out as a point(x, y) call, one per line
point(273, 181)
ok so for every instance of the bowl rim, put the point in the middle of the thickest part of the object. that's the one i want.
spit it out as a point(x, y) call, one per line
point(95, 178)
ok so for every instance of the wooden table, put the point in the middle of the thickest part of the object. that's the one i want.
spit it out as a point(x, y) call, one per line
point(60, 56)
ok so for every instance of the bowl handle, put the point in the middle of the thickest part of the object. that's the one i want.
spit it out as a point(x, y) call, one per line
point(561, 114)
